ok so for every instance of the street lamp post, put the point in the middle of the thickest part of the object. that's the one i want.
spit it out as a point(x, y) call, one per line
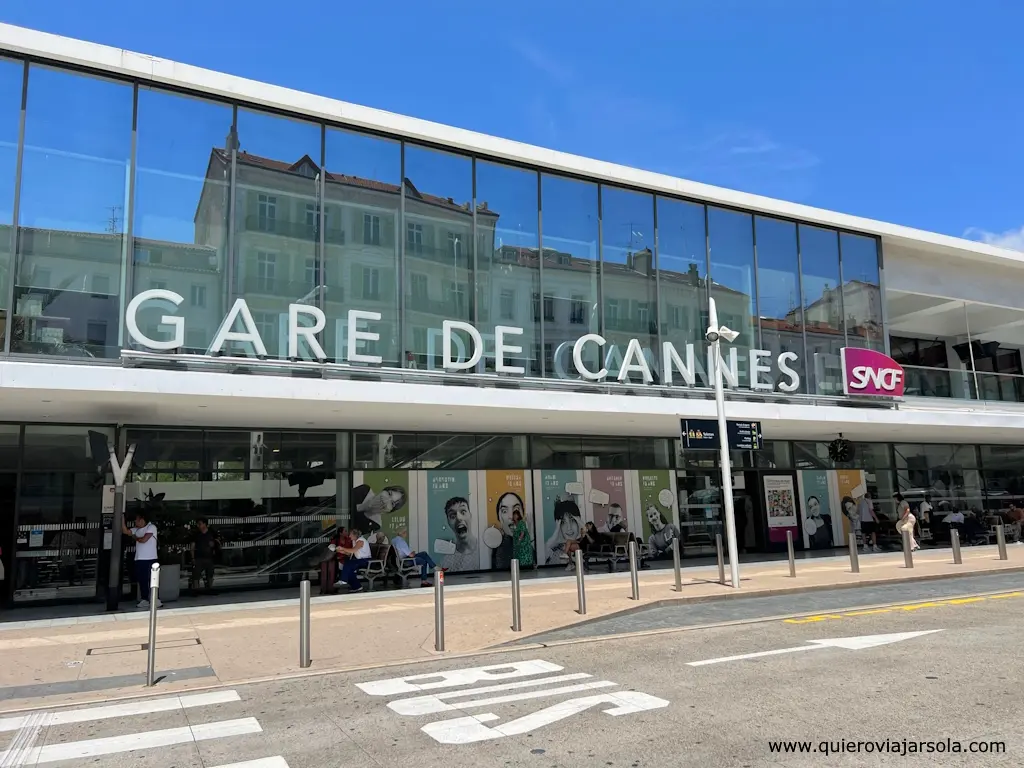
point(714, 336)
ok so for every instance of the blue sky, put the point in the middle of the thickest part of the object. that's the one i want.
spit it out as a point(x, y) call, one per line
point(905, 111)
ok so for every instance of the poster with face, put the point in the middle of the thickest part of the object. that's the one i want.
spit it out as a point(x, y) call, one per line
point(819, 524)
point(561, 497)
point(453, 538)
point(657, 509)
point(607, 499)
point(507, 502)
point(780, 504)
point(380, 501)
point(851, 485)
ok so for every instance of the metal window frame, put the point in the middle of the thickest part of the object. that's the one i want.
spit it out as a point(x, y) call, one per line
point(600, 262)
point(757, 290)
point(540, 269)
point(321, 277)
point(657, 292)
point(400, 236)
point(842, 287)
point(474, 314)
point(12, 277)
point(128, 238)
point(803, 324)
point(886, 347)
point(229, 265)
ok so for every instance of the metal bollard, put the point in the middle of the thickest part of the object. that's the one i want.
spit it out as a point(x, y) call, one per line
point(581, 594)
point(854, 559)
point(792, 555)
point(304, 644)
point(908, 554)
point(517, 614)
point(1001, 541)
point(634, 580)
point(675, 565)
point(154, 600)
point(439, 611)
point(954, 540)
point(721, 558)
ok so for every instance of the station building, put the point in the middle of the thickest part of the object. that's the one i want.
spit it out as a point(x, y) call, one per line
point(313, 313)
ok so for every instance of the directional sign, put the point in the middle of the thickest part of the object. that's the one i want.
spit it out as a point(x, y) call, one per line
point(849, 643)
point(702, 434)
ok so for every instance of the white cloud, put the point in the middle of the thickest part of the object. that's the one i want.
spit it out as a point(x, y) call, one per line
point(1012, 239)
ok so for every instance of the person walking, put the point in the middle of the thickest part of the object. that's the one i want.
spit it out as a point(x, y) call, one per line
point(145, 535)
point(907, 521)
point(868, 522)
point(522, 544)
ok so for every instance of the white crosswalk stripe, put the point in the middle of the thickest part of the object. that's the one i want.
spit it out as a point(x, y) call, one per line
point(27, 729)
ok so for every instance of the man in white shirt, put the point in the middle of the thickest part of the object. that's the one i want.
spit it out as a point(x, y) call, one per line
point(422, 559)
point(358, 557)
point(144, 534)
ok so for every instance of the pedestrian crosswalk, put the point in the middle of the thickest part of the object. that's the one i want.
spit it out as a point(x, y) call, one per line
point(30, 745)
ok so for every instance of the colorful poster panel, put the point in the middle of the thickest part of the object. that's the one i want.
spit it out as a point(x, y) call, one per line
point(780, 502)
point(657, 505)
point(506, 495)
point(822, 529)
point(452, 536)
point(380, 501)
point(609, 509)
point(561, 499)
point(851, 485)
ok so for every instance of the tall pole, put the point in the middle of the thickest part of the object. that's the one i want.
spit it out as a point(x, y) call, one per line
point(114, 572)
point(723, 447)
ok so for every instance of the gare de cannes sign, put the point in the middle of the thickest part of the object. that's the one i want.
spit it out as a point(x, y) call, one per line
point(591, 356)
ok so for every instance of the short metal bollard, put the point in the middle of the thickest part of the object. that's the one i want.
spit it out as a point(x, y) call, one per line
point(517, 615)
point(439, 611)
point(154, 601)
point(634, 579)
point(908, 551)
point(954, 540)
point(675, 565)
point(581, 594)
point(721, 558)
point(1001, 541)
point(792, 555)
point(854, 558)
point(304, 608)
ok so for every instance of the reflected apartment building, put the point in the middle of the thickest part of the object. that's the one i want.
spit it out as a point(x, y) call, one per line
point(123, 183)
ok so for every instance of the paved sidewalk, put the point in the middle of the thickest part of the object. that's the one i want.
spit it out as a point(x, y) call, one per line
point(89, 658)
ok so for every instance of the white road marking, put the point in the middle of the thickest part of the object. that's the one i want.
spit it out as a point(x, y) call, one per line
point(467, 730)
point(133, 741)
point(24, 740)
point(849, 643)
point(429, 705)
point(264, 762)
point(87, 714)
point(456, 677)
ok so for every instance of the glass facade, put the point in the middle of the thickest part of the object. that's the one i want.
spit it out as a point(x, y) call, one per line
point(373, 243)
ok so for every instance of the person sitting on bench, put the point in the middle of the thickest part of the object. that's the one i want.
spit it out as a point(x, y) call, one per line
point(422, 559)
point(359, 557)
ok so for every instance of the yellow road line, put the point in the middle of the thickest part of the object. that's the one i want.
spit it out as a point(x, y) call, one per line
point(908, 607)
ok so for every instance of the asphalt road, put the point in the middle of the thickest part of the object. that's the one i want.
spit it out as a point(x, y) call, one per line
point(621, 703)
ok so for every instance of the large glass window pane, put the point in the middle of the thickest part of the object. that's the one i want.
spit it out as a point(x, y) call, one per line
point(53, 447)
point(508, 280)
point(569, 308)
point(995, 349)
point(946, 474)
point(363, 186)
point(823, 309)
point(438, 253)
point(778, 288)
point(277, 198)
point(1003, 470)
point(180, 218)
point(630, 286)
point(11, 76)
point(731, 238)
point(862, 299)
point(556, 452)
point(682, 272)
point(74, 186)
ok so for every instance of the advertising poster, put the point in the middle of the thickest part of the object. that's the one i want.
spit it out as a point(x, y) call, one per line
point(506, 495)
point(780, 502)
point(822, 529)
point(657, 507)
point(561, 500)
point(607, 498)
point(380, 501)
point(851, 485)
point(453, 538)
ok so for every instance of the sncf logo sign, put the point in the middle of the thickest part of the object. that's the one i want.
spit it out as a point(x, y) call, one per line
point(870, 373)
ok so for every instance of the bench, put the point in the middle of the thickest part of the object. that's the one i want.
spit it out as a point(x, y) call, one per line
point(402, 568)
point(376, 568)
point(617, 551)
